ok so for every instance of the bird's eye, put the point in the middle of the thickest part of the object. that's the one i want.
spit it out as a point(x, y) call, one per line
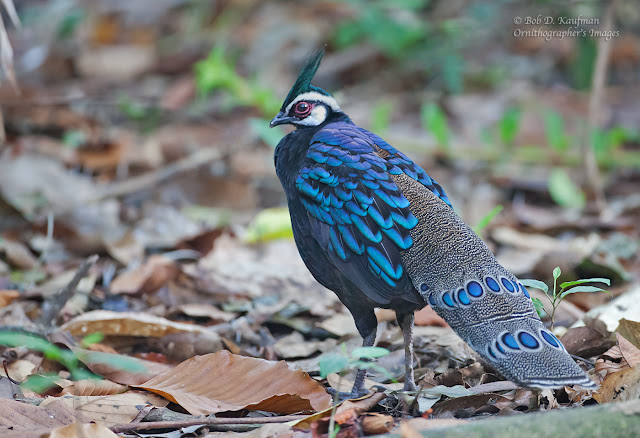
point(302, 109)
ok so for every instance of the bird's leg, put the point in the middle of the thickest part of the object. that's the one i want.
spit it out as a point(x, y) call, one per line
point(405, 320)
point(358, 386)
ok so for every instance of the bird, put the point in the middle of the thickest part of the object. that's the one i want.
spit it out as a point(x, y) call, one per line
point(372, 226)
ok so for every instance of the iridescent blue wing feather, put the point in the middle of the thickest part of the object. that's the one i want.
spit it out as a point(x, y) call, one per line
point(357, 212)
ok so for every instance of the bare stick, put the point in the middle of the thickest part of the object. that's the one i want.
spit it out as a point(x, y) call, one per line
point(52, 306)
point(122, 428)
point(592, 173)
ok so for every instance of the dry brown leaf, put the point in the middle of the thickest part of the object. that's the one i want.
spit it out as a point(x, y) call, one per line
point(93, 387)
point(622, 356)
point(340, 324)
point(223, 381)
point(80, 430)
point(108, 409)
point(629, 351)
point(8, 296)
point(129, 324)
point(294, 345)
point(119, 368)
point(630, 330)
point(125, 248)
point(156, 272)
point(204, 310)
point(376, 424)
point(19, 369)
point(585, 341)
point(23, 416)
point(17, 254)
point(620, 386)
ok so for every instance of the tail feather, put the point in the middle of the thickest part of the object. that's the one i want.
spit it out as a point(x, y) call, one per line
point(483, 302)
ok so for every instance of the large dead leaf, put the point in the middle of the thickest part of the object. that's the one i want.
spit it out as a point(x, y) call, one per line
point(109, 409)
point(620, 386)
point(129, 324)
point(22, 416)
point(223, 381)
point(119, 368)
point(630, 352)
point(630, 330)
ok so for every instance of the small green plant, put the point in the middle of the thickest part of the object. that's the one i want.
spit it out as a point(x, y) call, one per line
point(71, 360)
point(509, 125)
point(381, 116)
point(360, 358)
point(554, 131)
point(435, 121)
point(482, 223)
point(74, 138)
point(146, 117)
point(563, 191)
point(216, 72)
point(565, 288)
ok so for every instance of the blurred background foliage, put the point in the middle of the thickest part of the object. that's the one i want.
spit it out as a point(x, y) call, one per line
point(444, 79)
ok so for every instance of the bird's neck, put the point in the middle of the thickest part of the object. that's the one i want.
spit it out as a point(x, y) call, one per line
point(292, 149)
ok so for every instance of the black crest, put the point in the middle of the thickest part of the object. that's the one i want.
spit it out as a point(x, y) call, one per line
point(303, 83)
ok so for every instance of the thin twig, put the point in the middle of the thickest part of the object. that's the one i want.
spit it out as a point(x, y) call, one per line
point(122, 428)
point(6, 371)
point(151, 179)
point(51, 307)
point(592, 173)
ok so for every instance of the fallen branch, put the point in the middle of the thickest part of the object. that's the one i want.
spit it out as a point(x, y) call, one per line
point(123, 428)
point(593, 179)
point(52, 306)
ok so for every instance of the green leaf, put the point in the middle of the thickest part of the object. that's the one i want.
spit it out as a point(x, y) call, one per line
point(369, 352)
point(535, 284)
point(563, 191)
point(39, 383)
point(449, 391)
point(509, 125)
point(482, 223)
point(91, 339)
point(434, 120)
point(557, 272)
point(555, 132)
point(270, 224)
point(381, 116)
point(582, 289)
point(116, 361)
point(567, 284)
point(332, 363)
point(539, 307)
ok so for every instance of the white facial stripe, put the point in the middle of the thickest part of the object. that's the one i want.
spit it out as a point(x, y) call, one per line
point(317, 116)
point(314, 96)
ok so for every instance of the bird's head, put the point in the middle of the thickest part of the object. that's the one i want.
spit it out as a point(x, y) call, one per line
point(305, 104)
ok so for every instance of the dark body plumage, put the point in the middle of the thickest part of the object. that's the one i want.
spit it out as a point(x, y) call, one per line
point(373, 227)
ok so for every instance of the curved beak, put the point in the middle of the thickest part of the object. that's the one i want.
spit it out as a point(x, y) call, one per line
point(280, 119)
